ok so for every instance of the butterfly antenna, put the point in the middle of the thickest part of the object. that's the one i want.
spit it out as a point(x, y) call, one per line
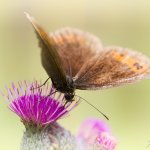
point(93, 107)
point(33, 88)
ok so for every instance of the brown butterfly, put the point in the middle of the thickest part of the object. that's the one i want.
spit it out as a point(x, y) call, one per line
point(75, 59)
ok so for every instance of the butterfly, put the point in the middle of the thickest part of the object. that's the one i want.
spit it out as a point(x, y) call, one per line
point(75, 59)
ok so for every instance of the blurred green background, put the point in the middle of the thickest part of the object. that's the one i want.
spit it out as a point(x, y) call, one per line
point(116, 22)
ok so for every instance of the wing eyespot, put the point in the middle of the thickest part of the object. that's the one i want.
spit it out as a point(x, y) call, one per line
point(137, 65)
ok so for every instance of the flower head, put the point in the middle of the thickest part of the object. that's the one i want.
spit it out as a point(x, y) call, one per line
point(91, 128)
point(96, 133)
point(37, 106)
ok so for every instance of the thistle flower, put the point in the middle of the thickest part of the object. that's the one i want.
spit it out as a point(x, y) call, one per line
point(37, 106)
point(39, 109)
point(95, 134)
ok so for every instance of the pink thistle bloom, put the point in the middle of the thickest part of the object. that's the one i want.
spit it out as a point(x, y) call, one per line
point(37, 106)
point(105, 141)
point(96, 134)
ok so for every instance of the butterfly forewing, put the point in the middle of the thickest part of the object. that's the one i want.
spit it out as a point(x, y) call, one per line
point(50, 58)
point(114, 66)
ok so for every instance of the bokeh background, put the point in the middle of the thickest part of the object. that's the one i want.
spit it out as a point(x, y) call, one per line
point(116, 22)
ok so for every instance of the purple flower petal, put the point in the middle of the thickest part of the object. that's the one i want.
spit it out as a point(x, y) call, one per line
point(105, 141)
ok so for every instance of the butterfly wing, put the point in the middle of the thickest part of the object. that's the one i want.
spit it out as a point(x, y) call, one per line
point(50, 58)
point(80, 55)
point(75, 47)
point(114, 66)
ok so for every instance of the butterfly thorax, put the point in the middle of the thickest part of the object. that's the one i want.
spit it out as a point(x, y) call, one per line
point(69, 93)
point(70, 84)
point(69, 89)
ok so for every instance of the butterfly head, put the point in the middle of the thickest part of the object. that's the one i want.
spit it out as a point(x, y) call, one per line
point(69, 97)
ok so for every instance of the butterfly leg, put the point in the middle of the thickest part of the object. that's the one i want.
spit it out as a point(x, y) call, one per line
point(32, 88)
point(66, 102)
